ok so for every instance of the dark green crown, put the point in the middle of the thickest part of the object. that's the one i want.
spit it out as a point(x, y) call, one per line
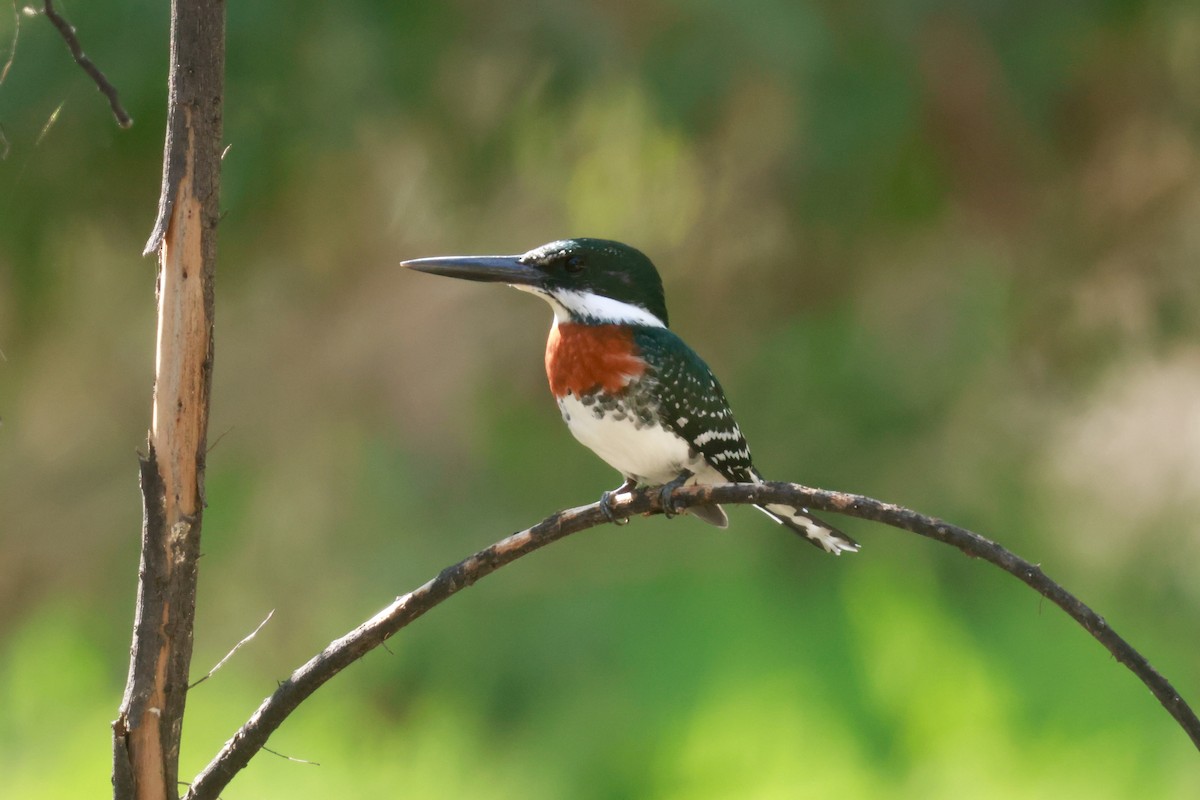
point(601, 266)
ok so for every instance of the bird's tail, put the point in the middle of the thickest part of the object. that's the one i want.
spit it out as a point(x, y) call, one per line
point(821, 534)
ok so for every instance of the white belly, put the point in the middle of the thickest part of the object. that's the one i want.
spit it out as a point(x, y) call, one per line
point(650, 454)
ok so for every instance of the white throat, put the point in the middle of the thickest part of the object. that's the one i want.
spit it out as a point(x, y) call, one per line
point(572, 305)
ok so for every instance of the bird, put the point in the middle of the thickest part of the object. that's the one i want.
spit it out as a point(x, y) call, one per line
point(626, 385)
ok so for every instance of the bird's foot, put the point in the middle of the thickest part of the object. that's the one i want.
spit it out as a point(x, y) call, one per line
point(606, 507)
point(607, 498)
point(664, 494)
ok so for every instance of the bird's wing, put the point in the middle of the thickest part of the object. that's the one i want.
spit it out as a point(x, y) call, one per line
point(693, 405)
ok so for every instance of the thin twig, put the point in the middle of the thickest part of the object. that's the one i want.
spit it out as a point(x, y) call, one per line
point(12, 48)
point(5, 147)
point(102, 83)
point(339, 654)
point(229, 655)
point(291, 758)
point(217, 441)
point(53, 118)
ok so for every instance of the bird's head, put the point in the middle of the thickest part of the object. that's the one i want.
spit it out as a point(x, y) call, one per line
point(592, 281)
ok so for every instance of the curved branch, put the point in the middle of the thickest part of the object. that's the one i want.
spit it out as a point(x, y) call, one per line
point(339, 654)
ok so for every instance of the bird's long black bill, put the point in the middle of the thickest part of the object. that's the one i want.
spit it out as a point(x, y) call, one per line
point(494, 269)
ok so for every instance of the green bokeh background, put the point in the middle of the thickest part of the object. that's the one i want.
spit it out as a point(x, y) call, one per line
point(944, 254)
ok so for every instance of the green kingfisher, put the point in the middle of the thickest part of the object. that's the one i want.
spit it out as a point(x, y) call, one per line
point(626, 385)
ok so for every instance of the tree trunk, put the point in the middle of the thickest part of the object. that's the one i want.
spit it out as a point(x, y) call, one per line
point(147, 731)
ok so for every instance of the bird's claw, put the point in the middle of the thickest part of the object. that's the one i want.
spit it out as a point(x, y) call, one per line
point(668, 505)
point(664, 495)
point(606, 507)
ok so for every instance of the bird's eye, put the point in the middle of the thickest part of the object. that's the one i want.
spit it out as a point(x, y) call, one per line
point(574, 265)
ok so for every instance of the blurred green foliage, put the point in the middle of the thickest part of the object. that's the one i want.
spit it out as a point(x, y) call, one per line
point(943, 254)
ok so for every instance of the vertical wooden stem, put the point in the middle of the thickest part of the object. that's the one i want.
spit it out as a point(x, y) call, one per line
point(147, 731)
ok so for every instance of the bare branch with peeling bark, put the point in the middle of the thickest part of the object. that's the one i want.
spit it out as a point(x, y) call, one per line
point(149, 724)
